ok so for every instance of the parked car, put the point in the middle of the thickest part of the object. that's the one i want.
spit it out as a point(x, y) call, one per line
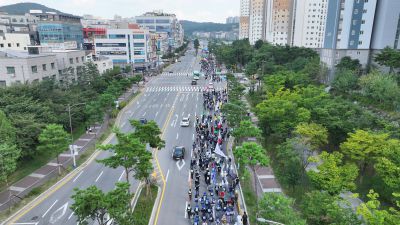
point(194, 82)
point(143, 120)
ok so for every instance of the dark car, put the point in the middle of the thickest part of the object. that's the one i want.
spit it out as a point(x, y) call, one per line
point(143, 120)
point(194, 82)
point(171, 71)
point(178, 152)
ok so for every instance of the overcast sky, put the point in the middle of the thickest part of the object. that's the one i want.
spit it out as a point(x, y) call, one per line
point(196, 10)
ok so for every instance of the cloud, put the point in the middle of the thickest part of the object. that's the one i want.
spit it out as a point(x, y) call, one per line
point(197, 10)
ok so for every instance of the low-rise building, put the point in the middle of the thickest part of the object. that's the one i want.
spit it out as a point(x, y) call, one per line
point(125, 46)
point(26, 67)
point(103, 64)
point(14, 41)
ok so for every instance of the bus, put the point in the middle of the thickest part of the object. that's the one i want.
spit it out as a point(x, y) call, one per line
point(196, 75)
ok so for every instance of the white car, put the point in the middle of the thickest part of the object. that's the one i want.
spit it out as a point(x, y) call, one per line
point(210, 86)
point(185, 122)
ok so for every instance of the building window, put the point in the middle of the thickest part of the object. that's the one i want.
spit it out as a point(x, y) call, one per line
point(71, 61)
point(44, 67)
point(138, 44)
point(360, 42)
point(116, 36)
point(1, 45)
point(3, 83)
point(138, 36)
point(362, 21)
point(77, 60)
point(34, 69)
point(83, 59)
point(17, 44)
point(9, 45)
point(10, 70)
point(52, 66)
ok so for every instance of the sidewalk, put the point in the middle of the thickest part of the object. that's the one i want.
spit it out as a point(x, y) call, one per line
point(265, 175)
point(24, 186)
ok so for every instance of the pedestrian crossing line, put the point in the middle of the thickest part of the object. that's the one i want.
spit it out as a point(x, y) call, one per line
point(177, 74)
point(179, 89)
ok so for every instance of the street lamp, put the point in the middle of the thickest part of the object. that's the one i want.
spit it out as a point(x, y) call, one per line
point(70, 126)
point(263, 220)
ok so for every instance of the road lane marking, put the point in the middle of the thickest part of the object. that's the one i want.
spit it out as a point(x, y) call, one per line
point(156, 114)
point(99, 176)
point(60, 211)
point(196, 106)
point(158, 163)
point(49, 209)
point(181, 165)
point(183, 113)
point(177, 136)
point(77, 176)
point(120, 177)
point(69, 217)
point(144, 114)
point(166, 177)
point(192, 137)
point(186, 205)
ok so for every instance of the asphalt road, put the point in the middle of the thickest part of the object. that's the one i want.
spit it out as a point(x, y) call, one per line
point(166, 106)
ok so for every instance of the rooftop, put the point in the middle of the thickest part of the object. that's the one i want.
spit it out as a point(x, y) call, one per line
point(8, 53)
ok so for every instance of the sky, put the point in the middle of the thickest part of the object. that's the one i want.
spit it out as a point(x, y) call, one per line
point(195, 10)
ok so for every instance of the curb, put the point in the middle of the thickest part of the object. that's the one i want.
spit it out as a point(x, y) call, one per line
point(136, 196)
point(156, 203)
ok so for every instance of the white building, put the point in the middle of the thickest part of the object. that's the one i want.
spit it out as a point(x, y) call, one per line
point(22, 67)
point(244, 19)
point(124, 46)
point(103, 64)
point(348, 31)
point(14, 41)
point(160, 22)
point(278, 19)
point(257, 21)
point(310, 20)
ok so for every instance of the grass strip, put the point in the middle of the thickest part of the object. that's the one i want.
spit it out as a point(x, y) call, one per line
point(144, 206)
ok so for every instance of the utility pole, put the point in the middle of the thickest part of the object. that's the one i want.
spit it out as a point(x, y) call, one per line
point(70, 127)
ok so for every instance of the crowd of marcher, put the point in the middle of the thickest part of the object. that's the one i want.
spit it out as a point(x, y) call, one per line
point(212, 194)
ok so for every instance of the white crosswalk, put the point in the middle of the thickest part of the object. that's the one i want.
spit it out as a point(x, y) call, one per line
point(179, 89)
point(179, 74)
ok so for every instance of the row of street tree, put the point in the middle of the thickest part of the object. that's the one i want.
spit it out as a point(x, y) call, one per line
point(131, 154)
point(34, 117)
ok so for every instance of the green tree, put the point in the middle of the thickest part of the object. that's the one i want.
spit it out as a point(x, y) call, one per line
point(347, 63)
point(345, 81)
point(388, 165)
point(373, 214)
point(196, 45)
point(54, 140)
point(277, 207)
point(258, 44)
point(389, 57)
point(320, 208)
point(312, 134)
point(251, 154)
point(7, 130)
point(126, 153)
point(246, 129)
point(290, 165)
point(381, 89)
point(148, 133)
point(235, 112)
point(363, 147)
point(281, 112)
point(332, 174)
point(9, 154)
point(94, 204)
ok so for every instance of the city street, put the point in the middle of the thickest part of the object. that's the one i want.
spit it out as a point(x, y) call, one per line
point(166, 99)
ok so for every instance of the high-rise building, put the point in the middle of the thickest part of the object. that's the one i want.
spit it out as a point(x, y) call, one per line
point(278, 21)
point(232, 19)
point(348, 31)
point(309, 23)
point(244, 19)
point(257, 21)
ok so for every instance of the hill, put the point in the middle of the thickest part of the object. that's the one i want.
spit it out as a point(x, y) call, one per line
point(190, 26)
point(22, 8)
